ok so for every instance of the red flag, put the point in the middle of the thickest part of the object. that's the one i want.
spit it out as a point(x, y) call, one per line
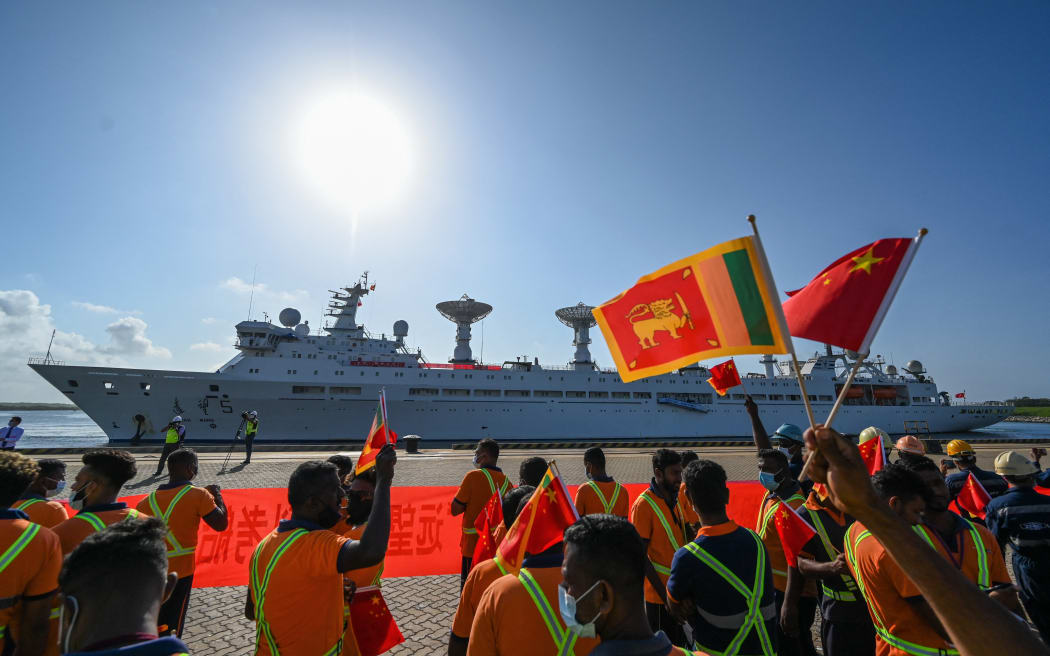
point(378, 435)
point(375, 630)
point(845, 304)
point(488, 521)
point(724, 376)
point(794, 532)
point(960, 395)
point(541, 523)
point(873, 455)
point(973, 498)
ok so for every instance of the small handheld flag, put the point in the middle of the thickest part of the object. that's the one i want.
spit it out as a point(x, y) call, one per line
point(486, 524)
point(541, 523)
point(378, 435)
point(794, 532)
point(724, 377)
point(973, 498)
point(873, 455)
point(375, 630)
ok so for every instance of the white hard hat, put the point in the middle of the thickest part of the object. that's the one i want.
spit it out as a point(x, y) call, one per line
point(176, 419)
point(1012, 463)
point(253, 413)
point(871, 432)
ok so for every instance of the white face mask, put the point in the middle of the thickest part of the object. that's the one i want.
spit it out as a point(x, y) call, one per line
point(58, 489)
point(567, 607)
point(79, 498)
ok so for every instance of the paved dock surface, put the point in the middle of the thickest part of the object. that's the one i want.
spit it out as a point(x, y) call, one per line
point(423, 606)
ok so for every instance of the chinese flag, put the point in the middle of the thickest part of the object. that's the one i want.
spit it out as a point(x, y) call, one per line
point(724, 376)
point(541, 523)
point(375, 630)
point(973, 498)
point(794, 532)
point(873, 455)
point(960, 395)
point(845, 304)
point(379, 435)
point(488, 521)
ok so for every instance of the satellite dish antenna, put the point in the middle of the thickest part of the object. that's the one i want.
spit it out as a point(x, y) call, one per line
point(463, 312)
point(289, 317)
point(581, 319)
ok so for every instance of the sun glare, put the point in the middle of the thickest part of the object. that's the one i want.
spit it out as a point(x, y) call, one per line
point(353, 151)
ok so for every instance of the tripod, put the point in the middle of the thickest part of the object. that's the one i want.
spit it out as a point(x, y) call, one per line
point(233, 444)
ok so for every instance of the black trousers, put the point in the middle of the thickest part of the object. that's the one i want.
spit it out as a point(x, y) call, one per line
point(807, 612)
point(1033, 589)
point(172, 616)
point(248, 440)
point(168, 448)
point(847, 638)
point(660, 620)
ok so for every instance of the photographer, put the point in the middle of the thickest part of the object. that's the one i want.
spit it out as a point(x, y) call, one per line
point(174, 434)
point(251, 428)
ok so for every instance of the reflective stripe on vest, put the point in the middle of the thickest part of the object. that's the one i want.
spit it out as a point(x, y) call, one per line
point(97, 523)
point(176, 548)
point(983, 575)
point(564, 640)
point(880, 627)
point(832, 553)
point(752, 596)
point(660, 567)
point(608, 505)
point(28, 502)
point(18, 545)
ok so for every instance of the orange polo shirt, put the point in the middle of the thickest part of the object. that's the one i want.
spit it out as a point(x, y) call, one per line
point(887, 589)
point(474, 492)
point(588, 502)
point(33, 574)
point(508, 622)
point(688, 514)
point(661, 549)
point(303, 603)
point(479, 580)
point(73, 531)
point(48, 514)
point(184, 520)
point(968, 558)
point(768, 532)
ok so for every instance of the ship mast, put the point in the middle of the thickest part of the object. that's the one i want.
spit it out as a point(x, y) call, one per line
point(343, 307)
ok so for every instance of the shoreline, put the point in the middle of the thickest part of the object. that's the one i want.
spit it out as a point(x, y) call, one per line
point(1026, 419)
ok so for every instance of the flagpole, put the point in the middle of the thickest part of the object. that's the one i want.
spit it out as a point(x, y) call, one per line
point(845, 387)
point(782, 321)
point(382, 405)
point(561, 481)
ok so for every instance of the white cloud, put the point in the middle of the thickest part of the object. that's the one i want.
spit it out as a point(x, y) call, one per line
point(25, 329)
point(209, 320)
point(102, 309)
point(210, 347)
point(262, 291)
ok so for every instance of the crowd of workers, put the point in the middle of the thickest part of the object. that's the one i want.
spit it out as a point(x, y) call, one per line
point(891, 569)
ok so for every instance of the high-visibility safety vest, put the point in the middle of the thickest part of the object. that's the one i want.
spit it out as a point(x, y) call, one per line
point(259, 582)
point(647, 495)
point(564, 640)
point(28, 502)
point(165, 516)
point(12, 552)
point(251, 428)
point(762, 525)
point(829, 549)
point(172, 436)
point(983, 575)
point(880, 627)
point(611, 503)
point(96, 521)
point(492, 490)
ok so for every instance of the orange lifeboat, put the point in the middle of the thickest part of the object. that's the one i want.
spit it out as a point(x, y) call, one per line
point(886, 393)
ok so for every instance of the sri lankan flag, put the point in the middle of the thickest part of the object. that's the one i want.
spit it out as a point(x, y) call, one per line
point(540, 524)
point(379, 435)
point(717, 303)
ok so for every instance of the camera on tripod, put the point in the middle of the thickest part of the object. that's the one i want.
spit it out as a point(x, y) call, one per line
point(244, 415)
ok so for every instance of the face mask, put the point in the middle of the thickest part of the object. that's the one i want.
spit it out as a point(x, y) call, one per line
point(72, 621)
point(590, 476)
point(768, 481)
point(58, 488)
point(567, 606)
point(79, 498)
point(475, 461)
point(328, 518)
point(785, 451)
point(358, 509)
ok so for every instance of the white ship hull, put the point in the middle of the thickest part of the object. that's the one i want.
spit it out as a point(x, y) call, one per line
point(211, 403)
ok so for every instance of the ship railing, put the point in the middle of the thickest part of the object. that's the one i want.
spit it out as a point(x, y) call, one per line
point(45, 360)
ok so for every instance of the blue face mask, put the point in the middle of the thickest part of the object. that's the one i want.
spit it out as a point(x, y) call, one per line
point(768, 481)
point(567, 606)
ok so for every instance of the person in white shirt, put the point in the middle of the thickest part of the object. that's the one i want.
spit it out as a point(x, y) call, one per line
point(10, 434)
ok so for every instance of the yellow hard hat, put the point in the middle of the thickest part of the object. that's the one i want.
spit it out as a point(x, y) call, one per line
point(1012, 463)
point(959, 447)
point(911, 444)
point(871, 432)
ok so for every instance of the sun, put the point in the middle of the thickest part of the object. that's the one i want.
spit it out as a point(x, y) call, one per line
point(353, 150)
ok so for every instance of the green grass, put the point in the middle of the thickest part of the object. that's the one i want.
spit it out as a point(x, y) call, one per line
point(1035, 411)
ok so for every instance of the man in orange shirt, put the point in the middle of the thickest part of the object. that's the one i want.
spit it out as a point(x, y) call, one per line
point(903, 620)
point(603, 577)
point(31, 559)
point(474, 492)
point(692, 520)
point(182, 506)
point(295, 591)
point(968, 545)
point(48, 483)
point(95, 491)
point(600, 494)
point(519, 614)
point(658, 520)
point(482, 576)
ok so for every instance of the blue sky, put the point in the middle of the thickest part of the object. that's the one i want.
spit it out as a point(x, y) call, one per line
point(562, 150)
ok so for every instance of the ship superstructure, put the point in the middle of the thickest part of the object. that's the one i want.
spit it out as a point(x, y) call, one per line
point(323, 386)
